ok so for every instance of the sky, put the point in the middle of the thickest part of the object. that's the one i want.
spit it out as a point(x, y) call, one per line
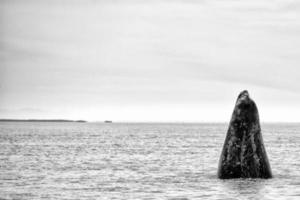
point(149, 60)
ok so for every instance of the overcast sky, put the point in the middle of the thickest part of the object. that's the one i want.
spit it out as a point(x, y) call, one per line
point(148, 60)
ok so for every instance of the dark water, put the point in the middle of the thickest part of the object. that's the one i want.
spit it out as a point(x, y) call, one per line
point(137, 161)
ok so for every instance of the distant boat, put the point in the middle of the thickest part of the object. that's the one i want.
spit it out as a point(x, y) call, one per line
point(81, 121)
point(107, 121)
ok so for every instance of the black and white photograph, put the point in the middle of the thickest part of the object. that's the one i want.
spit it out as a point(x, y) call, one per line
point(149, 99)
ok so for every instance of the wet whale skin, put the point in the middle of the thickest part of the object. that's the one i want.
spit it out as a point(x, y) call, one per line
point(244, 154)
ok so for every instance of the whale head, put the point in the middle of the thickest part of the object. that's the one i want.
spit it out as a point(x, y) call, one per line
point(243, 154)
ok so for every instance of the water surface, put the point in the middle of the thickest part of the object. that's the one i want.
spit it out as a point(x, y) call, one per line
point(137, 161)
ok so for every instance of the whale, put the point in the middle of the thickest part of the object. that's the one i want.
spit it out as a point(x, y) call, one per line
point(244, 154)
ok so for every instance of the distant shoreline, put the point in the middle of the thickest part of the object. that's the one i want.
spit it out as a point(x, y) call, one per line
point(41, 120)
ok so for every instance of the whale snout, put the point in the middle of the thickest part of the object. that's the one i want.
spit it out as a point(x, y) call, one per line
point(243, 94)
point(243, 98)
point(245, 108)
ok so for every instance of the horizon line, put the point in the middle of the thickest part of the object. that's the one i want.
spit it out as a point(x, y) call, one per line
point(124, 121)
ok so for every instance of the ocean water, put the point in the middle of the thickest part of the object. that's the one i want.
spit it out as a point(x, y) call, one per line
point(137, 161)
